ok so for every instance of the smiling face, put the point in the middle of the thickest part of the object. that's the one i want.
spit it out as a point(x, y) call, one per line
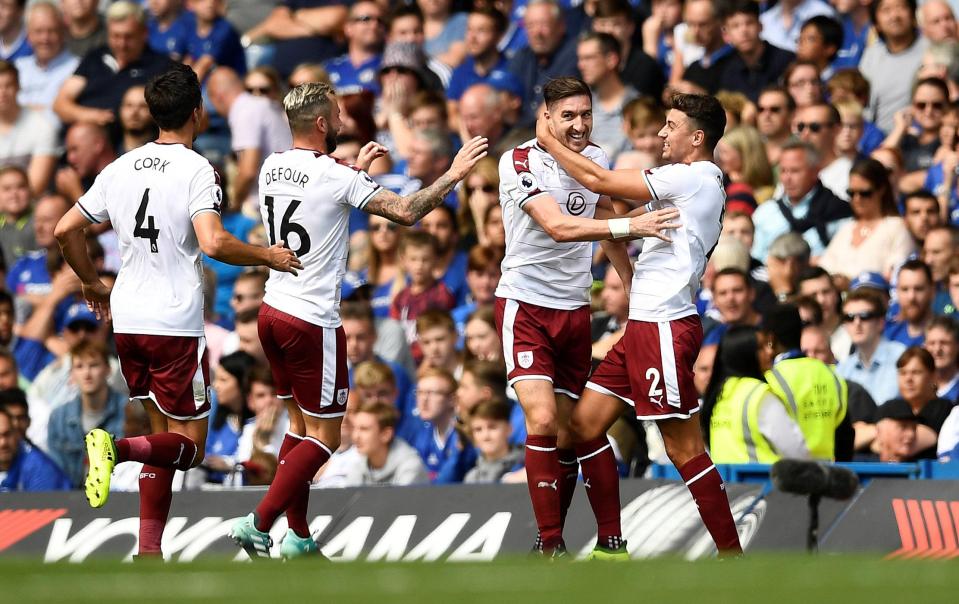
point(572, 121)
point(678, 136)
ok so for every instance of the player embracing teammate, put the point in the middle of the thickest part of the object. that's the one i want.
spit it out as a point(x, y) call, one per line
point(542, 301)
point(651, 367)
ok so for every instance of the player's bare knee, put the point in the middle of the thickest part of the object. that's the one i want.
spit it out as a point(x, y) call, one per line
point(581, 429)
point(541, 419)
point(680, 451)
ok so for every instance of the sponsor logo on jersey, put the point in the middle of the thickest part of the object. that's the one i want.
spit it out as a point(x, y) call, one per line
point(526, 182)
point(525, 359)
point(576, 203)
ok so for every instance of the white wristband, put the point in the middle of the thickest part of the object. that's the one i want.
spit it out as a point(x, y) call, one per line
point(618, 227)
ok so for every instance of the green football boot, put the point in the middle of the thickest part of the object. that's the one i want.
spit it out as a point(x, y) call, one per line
point(614, 555)
point(102, 456)
point(256, 543)
point(294, 546)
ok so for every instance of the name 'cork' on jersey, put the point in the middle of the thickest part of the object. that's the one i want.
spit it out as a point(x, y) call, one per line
point(305, 201)
point(666, 276)
point(536, 269)
point(151, 196)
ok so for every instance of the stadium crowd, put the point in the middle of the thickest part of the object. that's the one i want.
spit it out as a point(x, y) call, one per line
point(840, 158)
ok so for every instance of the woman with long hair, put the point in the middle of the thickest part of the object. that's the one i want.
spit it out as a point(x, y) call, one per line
point(876, 239)
point(742, 419)
point(481, 338)
point(742, 156)
point(480, 190)
point(383, 273)
point(803, 81)
point(231, 384)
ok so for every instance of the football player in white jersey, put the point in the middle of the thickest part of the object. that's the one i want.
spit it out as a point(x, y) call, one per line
point(542, 301)
point(163, 201)
point(306, 197)
point(651, 367)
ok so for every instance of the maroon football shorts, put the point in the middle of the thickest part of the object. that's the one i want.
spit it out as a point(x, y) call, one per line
point(545, 343)
point(172, 370)
point(308, 362)
point(651, 368)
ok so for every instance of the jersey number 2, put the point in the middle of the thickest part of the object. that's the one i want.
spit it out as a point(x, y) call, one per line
point(146, 227)
point(287, 226)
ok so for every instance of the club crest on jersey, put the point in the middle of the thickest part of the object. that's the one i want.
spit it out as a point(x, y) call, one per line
point(525, 359)
point(576, 203)
point(526, 182)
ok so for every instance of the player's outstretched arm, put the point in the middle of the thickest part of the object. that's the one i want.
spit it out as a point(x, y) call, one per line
point(621, 184)
point(563, 227)
point(216, 242)
point(408, 210)
point(73, 243)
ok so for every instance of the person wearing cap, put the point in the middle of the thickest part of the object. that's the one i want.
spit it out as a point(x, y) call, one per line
point(550, 54)
point(805, 207)
point(96, 406)
point(365, 32)
point(873, 360)
point(917, 401)
point(914, 294)
point(816, 396)
point(788, 257)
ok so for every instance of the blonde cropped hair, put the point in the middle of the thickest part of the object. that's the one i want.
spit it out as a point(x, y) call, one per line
point(307, 102)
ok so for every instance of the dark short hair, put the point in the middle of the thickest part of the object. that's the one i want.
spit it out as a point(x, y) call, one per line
point(945, 323)
point(937, 83)
point(493, 410)
point(247, 315)
point(607, 43)
point(173, 96)
point(916, 352)
point(814, 272)
point(481, 257)
point(418, 239)
point(13, 397)
point(874, 10)
point(500, 22)
point(829, 29)
point(740, 7)
point(558, 89)
point(357, 311)
point(810, 303)
point(777, 89)
point(8, 68)
point(917, 266)
point(403, 10)
point(920, 194)
point(869, 297)
point(606, 9)
point(732, 270)
point(783, 321)
point(706, 113)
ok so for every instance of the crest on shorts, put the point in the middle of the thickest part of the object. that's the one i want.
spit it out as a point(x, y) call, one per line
point(576, 203)
point(341, 396)
point(525, 359)
point(526, 182)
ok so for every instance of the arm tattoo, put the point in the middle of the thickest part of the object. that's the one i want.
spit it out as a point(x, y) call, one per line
point(410, 209)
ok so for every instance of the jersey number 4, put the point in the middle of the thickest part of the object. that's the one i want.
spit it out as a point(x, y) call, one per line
point(146, 227)
point(287, 226)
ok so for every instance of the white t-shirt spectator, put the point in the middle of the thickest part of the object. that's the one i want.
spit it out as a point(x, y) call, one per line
point(32, 134)
point(258, 123)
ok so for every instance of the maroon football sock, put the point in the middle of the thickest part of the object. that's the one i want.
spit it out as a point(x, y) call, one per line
point(707, 488)
point(166, 450)
point(296, 513)
point(543, 478)
point(156, 492)
point(569, 472)
point(297, 468)
point(601, 479)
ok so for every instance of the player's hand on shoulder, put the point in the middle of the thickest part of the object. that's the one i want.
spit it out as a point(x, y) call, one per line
point(472, 152)
point(370, 152)
point(655, 224)
point(544, 134)
point(283, 259)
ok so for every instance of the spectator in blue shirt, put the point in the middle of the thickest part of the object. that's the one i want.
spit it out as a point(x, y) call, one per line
point(483, 381)
point(213, 42)
point(914, 294)
point(365, 32)
point(873, 362)
point(169, 27)
point(483, 273)
point(98, 406)
point(360, 329)
point(849, 85)
point(940, 246)
point(942, 342)
point(24, 467)
point(432, 434)
point(13, 34)
point(550, 54)
point(29, 276)
point(231, 385)
point(484, 28)
point(856, 26)
point(451, 262)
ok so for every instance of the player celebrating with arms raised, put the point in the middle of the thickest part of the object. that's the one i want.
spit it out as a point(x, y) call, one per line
point(651, 367)
point(306, 196)
point(542, 301)
point(163, 200)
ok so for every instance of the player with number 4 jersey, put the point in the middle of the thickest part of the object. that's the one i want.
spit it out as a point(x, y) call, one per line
point(163, 200)
point(651, 367)
point(305, 199)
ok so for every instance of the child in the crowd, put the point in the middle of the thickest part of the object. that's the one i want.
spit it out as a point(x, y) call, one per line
point(642, 121)
point(213, 42)
point(436, 334)
point(374, 381)
point(490, 430)
point(418, 255)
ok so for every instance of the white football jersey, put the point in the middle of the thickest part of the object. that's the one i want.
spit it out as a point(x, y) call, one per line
point(305, 201)
point(151, 196)
point(666, 276)
point(537, 269)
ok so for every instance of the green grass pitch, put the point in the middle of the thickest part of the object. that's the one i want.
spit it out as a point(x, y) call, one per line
point(761, 579)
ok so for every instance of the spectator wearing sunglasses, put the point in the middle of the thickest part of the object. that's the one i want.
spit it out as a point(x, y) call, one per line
point(916, 131)
point(819, 124)
point(876, 240)
point(365, 32)
point(873, 362)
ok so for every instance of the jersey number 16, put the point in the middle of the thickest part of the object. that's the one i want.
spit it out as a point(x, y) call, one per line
point(287, 226)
